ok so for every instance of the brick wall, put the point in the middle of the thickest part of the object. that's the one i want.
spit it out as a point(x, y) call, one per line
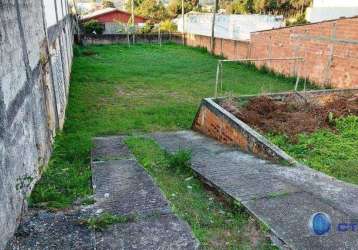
point(35, 63)
point(329, 49)
point(231, 49)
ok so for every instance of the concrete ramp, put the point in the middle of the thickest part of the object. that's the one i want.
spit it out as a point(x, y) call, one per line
point(282, 197)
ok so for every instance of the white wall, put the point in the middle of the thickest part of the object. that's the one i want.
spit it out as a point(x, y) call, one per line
point(236, 27)
point(334, 3)
point(322, 10)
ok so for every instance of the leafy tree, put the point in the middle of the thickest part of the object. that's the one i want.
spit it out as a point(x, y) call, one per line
point(240, 7)
point(128, 4)
point(175, 8)
point(108, 4)
point(152, 9)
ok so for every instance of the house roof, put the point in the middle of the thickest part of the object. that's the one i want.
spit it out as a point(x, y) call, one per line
point(105, 11)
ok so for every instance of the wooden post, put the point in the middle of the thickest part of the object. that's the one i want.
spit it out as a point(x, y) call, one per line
point(77, 22)
point(212, 41)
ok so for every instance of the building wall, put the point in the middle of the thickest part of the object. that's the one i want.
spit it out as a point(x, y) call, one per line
point(323, 10)
point(231, 49)
point(329, 49)
point(36, 56)
point(236, 27)
point(118, 16)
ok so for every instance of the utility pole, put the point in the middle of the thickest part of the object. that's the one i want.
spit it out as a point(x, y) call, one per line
point(212, 41)
point(133, 22)
point(182, 14)
point(77, 22)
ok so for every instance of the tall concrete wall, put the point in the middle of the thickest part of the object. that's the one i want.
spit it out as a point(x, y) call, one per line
point(35, 62)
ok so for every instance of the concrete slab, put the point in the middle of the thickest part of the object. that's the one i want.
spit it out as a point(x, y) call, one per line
point(109, 148)
point(121, 187)
point(165, 232)
point(283, 197)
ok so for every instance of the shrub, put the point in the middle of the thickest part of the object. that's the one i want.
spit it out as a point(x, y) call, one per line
point(147, 28)
point(93, 26)
point(297, 19)
point(168, 26)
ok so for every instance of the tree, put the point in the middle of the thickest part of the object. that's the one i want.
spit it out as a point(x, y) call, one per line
point(128, 4)
point(174, 7)
point(240, 7)
point(108, 4)
point(152, 9)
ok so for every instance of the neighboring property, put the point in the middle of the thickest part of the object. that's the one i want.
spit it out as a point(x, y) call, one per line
point(323, 10)
point(236, 27)
point(110, 17)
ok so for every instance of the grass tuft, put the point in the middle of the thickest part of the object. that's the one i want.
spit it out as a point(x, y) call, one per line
point(104, 220)
point(180, 160)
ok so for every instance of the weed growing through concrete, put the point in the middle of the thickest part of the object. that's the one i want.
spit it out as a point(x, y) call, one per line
point(104, 220)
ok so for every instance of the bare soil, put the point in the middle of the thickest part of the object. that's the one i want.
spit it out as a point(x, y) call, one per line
point(292, 117)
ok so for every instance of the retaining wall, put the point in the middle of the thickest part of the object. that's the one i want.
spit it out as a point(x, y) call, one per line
point(36, 56)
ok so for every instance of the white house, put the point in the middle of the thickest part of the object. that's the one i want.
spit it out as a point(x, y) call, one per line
point(322, 10)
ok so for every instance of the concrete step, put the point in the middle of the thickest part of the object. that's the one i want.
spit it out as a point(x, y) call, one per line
point(282, 197)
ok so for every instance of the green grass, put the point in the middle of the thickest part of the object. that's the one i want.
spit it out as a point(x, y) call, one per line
point(133, 90)
point(332, 152)
point(216, 224)
point(104, 220)
point(145, 88)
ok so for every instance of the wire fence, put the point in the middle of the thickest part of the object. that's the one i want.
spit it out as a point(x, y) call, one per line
point(219, 69)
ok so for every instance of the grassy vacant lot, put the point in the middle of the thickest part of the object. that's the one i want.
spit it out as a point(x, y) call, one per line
point(121, 90)
point(332, 152)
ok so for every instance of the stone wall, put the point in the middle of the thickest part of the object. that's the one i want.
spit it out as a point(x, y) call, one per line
point(329, 49)
point(35, 62)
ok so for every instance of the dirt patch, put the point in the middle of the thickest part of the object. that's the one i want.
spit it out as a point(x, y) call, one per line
point(294, 115)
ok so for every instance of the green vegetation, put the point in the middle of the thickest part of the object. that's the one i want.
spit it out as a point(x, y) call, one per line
point(284, 7)
point(104, 220)
point(108, 4)
point(332, 152)
point(120, 90)
point(217, 224)
point(133, 90)
point(93, 26)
